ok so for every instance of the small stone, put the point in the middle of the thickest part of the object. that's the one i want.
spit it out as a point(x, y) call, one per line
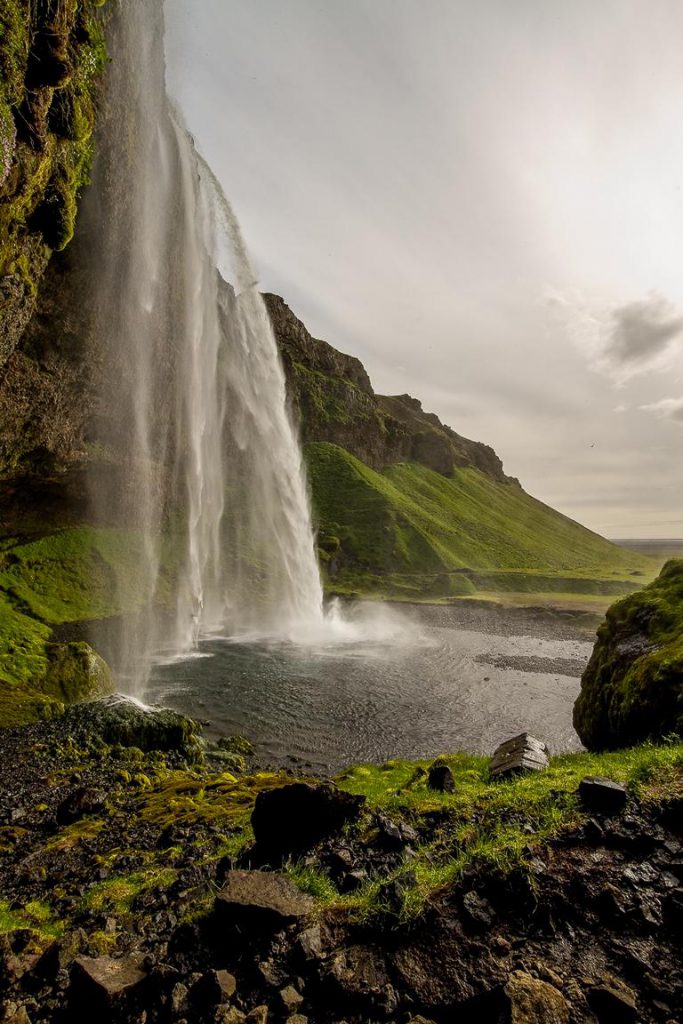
point(602, 795)
point(259, 1015)
point(478, 910)
point(440, 778)
point(291, 999)
point(310, 943)
point(535, 1002)
point(354, 880)
point(79, 803)
point(20, 1016)
point(229, 1015)
point(297, 1018)
point(179, 996)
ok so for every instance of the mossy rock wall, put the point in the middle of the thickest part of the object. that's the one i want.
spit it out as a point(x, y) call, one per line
point(632, 689)
point(52, 55)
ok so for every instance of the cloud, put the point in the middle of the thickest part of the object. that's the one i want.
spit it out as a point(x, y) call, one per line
point(641, 332)
point(666, 408)
point(621, 341)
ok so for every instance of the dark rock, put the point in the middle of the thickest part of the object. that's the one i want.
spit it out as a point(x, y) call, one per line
point(478, 910)
point(602, 795)
point(359, 975)
point(440, 778)
point(105, 984)
point(310, 943)
point(613, 1004)
point(80, 802)
point(61, 954)
point(213, 989)
point(296, 817)
point(523, 753)
point(354, 880)
point(261, 900)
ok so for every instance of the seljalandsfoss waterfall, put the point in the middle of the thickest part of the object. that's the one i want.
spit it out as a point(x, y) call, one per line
point(212, 483)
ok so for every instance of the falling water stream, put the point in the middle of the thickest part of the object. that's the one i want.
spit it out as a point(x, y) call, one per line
point(211, 484)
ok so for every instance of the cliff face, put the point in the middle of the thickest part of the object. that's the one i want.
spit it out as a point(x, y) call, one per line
point(334, 400)
point(51, 56)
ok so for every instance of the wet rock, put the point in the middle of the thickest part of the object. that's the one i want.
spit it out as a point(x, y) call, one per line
point(523, 753)
point(534, 1002)
point(261, 900)
point(105, 984)
point(613, 1004)
point(76, 673)
point(80, 802)
point(290, 999)
point(296, 817)
point(602, 795)
point(120, 720)
point(440, 778)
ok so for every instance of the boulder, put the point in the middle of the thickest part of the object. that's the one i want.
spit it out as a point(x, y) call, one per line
point(532, 1001)
point(440, 778)
point(290, 999)
point(120, 720)
point(523, 753)
point(258, 901)
point(602, 795)
point(295, 817)
point(632, 688)
point(106, 985)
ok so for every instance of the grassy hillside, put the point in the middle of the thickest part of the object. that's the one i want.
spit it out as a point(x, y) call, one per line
point(410, 532)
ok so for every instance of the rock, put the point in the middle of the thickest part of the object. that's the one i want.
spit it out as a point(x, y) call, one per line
point(214, 988)
point(19, 1016)
point(632, 688)
point(179, 999)
point(520, 754)
point(360, 975)
point(259, 1015)
point(479, 911)
point(440, 778)
point(613, 1004)
point(297, 1018)
point(354, 880)
point(80, 802)
point(261, 901)
point(290, 999)
point(534, 1002)
point(602, 795)
point(106, 984)
point(76, 673)
point(297, 816)
point(61, 954)
point(119, 720)
point(310, 943)
point(229, 1015)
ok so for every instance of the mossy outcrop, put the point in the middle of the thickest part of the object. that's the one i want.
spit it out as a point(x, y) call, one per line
point(632, 689)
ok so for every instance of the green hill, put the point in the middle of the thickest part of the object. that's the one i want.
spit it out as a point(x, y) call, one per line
point(408, 531)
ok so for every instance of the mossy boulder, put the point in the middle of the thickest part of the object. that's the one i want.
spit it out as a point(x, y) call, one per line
point(632, 689)
point(121, 721)
point(76, 673)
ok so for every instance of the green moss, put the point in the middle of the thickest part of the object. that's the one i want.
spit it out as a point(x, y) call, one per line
point(36, 916)
point(409, 531)
point(116, 895)
point(632, 688)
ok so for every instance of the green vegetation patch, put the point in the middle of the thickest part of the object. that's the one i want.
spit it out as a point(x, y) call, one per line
point(632, 688)
point(489, 824)
point(409, 530)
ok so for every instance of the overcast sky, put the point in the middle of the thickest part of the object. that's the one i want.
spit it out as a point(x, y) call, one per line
point(483, 200)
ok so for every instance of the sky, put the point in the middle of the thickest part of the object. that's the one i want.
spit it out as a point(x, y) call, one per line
point(483, 201)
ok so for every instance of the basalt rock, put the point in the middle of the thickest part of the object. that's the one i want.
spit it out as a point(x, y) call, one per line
point(296, 817)
point(118, 720)
point(256, 901)
point(523, 753)
point(602, 795)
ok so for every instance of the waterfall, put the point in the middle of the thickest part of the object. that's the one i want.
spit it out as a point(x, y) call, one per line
point(203, 471)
